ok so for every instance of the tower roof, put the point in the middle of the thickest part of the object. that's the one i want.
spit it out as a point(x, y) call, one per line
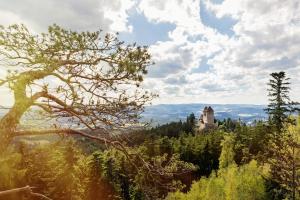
point(209, 109)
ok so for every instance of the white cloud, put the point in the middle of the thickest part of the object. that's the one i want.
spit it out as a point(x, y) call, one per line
point(265, 40)
point(172, 57)
point(117, 12)
point(183, 13)
point(76, 14)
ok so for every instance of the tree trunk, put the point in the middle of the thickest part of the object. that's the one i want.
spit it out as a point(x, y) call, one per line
point(10, 121)
point(294, 174)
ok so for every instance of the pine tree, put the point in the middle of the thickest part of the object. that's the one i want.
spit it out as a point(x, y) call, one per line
point(190, 123)
point(90, 76)
point(278, 97)
point(282, 156)
point(280, 105)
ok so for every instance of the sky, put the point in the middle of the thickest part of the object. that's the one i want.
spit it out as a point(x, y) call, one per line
point(205, 51)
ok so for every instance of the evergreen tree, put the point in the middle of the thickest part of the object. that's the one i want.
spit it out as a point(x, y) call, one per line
point(282, 156)
point(280, 104)
point(190, 123)
point(98, 187)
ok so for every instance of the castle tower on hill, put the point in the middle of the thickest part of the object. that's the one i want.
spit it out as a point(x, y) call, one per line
point(207, 119)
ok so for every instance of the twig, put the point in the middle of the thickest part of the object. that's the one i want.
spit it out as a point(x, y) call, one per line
point(27, 189)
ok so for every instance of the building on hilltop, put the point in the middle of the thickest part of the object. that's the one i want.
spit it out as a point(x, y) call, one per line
point(207, 120)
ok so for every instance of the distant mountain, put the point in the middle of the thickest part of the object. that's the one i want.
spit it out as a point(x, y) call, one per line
point(164, 113)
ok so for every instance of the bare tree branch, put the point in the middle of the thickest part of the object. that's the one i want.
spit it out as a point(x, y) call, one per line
point(27, 190)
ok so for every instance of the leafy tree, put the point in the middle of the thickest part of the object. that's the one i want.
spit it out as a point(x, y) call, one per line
point(280, 104)
point(86, 78)
point(285, 160)
point(227, 154)
point(231, 183)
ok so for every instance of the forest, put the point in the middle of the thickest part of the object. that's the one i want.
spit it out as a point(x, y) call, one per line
point(97, 88)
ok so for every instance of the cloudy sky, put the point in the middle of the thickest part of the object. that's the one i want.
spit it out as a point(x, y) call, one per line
point(210, 51)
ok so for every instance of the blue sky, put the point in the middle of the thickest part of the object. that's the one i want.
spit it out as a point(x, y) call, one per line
point(223, 25)
point(210, 51)
point(145, 32)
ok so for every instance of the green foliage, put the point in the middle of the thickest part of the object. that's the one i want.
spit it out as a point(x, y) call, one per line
point(98, 187)
point(11, 171)
point(284, 160)
point(174, 129)
point(201, 150)
point(134, 178)
point(231, 183)
point(59, 171)
point(227, 154)
point(229, 125)
point(251, 142)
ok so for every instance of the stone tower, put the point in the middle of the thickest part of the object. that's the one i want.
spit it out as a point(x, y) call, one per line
point(207, 119)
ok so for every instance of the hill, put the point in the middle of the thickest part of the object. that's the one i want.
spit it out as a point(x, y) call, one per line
point(164, 113)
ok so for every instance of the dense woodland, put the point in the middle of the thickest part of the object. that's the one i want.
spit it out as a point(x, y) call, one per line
point(233, 162)
point(170, 161)
point(75, 163)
